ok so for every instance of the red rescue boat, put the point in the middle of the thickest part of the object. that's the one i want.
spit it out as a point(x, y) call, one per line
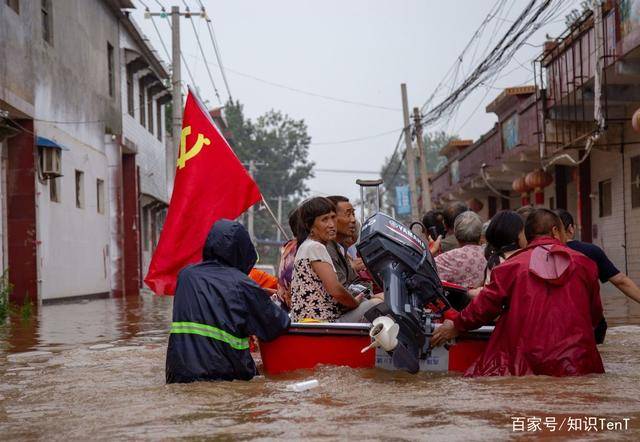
point(307, 345)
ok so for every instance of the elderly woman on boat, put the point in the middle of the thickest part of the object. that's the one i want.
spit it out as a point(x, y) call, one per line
point(316, 293)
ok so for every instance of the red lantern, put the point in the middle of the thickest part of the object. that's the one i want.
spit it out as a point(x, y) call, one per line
point(538, 180)
point(520, 186)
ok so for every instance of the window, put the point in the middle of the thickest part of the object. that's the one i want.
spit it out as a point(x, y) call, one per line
point(150, 112)
point(159, 120)
point(110, 69)
point(604, 189)
point(635, 182)
point(15, 5)
point(100, 195)
point(47, 25)
point(143, 117)
point(79, 189)
point(54, 190)
point(130, 91)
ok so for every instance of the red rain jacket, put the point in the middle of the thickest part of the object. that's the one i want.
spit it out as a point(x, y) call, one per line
point(548, 299)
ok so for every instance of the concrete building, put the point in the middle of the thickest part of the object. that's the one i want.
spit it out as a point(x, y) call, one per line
point(142, 156)
point(76, 167)
point(549, 125)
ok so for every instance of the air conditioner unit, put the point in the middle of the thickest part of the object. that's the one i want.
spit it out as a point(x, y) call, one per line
point(50, 162)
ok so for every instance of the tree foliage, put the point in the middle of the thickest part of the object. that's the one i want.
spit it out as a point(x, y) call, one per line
point(394, 170)
point(279, 145)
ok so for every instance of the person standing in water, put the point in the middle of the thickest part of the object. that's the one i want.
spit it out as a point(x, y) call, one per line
point(548, 299)
point(216, 308)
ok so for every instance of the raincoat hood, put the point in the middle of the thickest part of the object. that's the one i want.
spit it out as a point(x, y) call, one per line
point(550, 260)
point(229, 242)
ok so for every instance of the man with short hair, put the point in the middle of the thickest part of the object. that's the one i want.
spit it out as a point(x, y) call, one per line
point(451, 212)
point(607, 271)
point(547, 297)
point(345, 231)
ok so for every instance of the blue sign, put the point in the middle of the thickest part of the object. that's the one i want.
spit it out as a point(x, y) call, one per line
point(403, 200)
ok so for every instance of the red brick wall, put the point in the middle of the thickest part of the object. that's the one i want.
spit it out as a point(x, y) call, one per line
point(21, 215)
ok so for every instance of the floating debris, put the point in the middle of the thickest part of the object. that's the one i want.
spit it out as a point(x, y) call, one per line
point(100, 346)
point(19, 369)
point(29, 356)
point(153, 332)
point(303, 386)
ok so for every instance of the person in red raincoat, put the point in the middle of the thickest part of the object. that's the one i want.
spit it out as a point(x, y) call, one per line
point(547, 298)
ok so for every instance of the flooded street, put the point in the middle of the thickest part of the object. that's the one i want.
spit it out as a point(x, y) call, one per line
point(99, 372)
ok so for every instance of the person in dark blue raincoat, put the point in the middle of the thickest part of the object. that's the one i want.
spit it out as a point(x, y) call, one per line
point(216, 308)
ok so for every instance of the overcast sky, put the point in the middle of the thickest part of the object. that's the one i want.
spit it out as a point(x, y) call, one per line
point(355, 50)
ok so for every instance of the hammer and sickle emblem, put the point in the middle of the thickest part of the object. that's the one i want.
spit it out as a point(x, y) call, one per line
point(186, 155)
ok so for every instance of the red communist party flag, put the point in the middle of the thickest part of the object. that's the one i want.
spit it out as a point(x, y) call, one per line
point(210, 184)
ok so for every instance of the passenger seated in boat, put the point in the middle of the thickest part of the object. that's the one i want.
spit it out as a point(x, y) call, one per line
point(607, 271)
point(464, 265)
point(548, 299)
point(316, 293)
point(505, 236)
point(451, 213)
point(434, 230)
point(287, 257)
point(337, 248)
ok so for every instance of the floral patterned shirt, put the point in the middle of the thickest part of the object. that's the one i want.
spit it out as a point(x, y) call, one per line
point(463, 266)
point(285, 273)
point(309, 298)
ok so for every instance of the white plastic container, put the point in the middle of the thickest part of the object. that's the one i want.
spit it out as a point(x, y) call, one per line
point(303, 386)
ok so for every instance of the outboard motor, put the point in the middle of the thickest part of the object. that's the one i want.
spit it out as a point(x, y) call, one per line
point(400, 262)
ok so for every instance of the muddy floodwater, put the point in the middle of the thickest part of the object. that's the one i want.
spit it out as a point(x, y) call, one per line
point(98, 373)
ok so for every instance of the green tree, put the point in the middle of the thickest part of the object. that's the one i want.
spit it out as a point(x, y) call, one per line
point(279, 145)
point(394, 170)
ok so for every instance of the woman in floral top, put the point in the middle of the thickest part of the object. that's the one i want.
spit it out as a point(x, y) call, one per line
point(464, 265)
point(316, 292)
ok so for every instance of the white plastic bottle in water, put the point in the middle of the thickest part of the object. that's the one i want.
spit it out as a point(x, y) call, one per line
point(303, 386)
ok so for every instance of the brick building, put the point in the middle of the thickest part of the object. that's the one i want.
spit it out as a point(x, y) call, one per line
point(539, 150)
point(82, 142)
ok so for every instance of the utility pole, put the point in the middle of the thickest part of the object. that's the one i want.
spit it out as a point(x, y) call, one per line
point(252, 172)
point(411, 160)
point(176, 102)
point(278, 233)
point(176, 78)
point(424, 175)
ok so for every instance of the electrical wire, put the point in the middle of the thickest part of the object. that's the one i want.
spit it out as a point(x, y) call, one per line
point(216, 49)
point(301, 91)
point(195, 32)
point(483, 174)
point(355, 140)
point(368, 172)
point(529, 21)
point(169, 58)
point(476, 35)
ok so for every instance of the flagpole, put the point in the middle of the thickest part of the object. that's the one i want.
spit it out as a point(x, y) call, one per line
point(264, 201)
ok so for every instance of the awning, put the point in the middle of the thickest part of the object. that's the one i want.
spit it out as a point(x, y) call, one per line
point(46, 142)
